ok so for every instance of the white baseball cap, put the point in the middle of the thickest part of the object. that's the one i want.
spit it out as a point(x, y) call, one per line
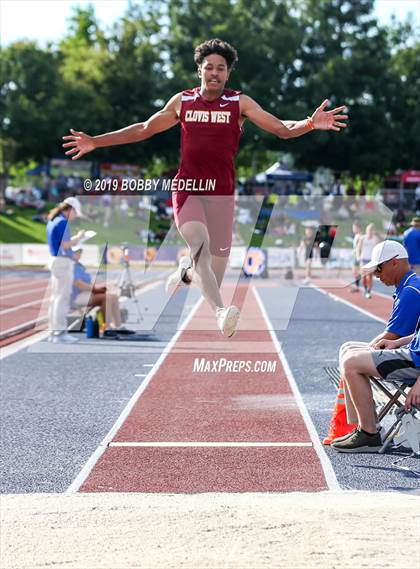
point(75, 204)
point(385, 251)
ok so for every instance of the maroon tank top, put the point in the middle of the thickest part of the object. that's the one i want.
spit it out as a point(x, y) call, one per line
point(210, 135)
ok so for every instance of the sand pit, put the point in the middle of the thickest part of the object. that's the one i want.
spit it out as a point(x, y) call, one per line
point(230, 531)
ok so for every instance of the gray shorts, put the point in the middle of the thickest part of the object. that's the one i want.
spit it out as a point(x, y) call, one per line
point(396, 365)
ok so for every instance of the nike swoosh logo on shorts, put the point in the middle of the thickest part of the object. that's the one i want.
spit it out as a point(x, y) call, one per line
point(223, 104)
point(224, 249)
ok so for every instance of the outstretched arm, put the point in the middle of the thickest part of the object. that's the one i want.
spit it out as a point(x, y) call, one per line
point(81, 143)
point(320, 119)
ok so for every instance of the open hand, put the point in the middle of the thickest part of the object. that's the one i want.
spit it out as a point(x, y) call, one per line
point(79, 144)
point(329, 120)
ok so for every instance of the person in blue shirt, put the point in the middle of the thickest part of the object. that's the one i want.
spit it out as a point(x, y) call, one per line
point(392, 360)
point(61, 266)
point(390, 264)
point(84, 294)
point(412, 244)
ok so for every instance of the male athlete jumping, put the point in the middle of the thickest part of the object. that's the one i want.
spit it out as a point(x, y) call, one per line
point(211, 120)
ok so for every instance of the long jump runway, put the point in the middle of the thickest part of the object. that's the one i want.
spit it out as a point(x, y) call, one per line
point(210, 428)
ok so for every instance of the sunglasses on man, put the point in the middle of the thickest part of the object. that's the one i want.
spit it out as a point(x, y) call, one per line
point(378, 269)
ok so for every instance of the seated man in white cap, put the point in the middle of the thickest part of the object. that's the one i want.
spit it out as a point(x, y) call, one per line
point(392, 360)
point(359, 360)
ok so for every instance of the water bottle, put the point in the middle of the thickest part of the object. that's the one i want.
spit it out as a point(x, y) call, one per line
point(90, 327)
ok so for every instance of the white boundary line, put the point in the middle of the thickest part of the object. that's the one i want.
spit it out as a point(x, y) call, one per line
point(348, 303)
point(207, 444)
point(21, 293)
point(87, 468)
point(11, 349)
point(382, 294)
point(26, 305)
point(326, 465)
point(22, 284)
point(23, 326)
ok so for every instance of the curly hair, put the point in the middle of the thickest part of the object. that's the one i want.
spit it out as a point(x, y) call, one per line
point(219, 47)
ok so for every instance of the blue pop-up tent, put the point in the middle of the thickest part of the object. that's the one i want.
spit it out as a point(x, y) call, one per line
point(276, 172)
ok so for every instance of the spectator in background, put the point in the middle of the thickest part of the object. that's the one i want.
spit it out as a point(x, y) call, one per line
point(361, 200)
point(124, 208)
point(412, 244)
point(306, 245)
point(366, 244)
point(400, 219)
point(339, 188)
point(71, 184)
point(61, 183)
point(41, 217)
point(351, 196)
point(106, 203)
point(417, 197)
point(61, 266)
point(84, 294)
point(357, 233)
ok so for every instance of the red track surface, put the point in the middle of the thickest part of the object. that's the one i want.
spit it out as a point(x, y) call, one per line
point(193, 470)
point(378, 305)
point(180, 405)
point(20, 307)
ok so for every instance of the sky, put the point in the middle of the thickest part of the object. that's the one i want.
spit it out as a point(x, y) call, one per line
point(45, 20)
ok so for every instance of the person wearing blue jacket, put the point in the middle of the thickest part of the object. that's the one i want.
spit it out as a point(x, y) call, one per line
point(412, 244)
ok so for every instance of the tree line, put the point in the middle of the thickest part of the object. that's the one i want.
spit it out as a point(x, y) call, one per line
point(292, 55)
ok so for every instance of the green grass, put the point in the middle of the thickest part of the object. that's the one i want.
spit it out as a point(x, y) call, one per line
point(117, 233)
point(121, 230)
point(19, 227)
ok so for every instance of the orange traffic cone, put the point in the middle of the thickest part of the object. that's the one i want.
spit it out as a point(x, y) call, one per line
point(338, 424)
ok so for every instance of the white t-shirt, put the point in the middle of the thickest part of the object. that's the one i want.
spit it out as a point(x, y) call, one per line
point(368, 243)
